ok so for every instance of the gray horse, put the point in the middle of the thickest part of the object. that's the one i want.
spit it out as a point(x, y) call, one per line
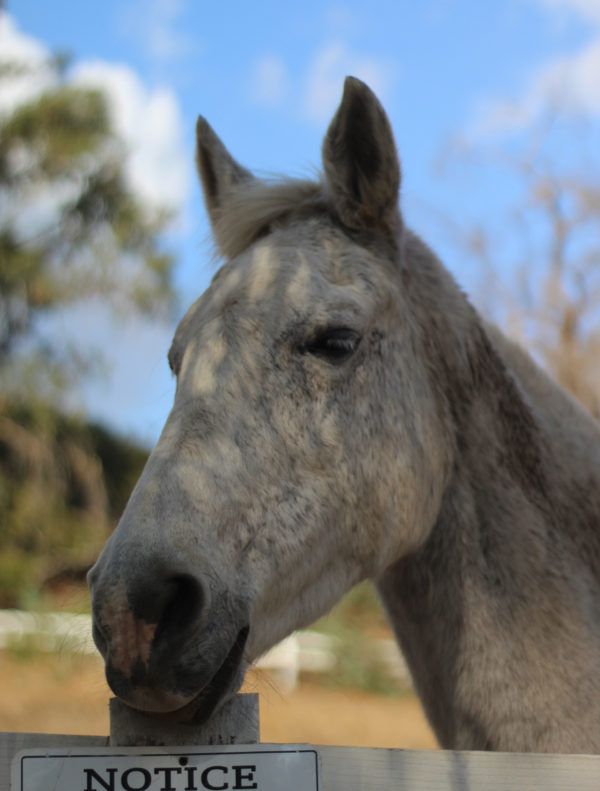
point(343, 413)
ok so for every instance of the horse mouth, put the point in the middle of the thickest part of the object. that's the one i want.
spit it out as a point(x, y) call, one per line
point(216, 691)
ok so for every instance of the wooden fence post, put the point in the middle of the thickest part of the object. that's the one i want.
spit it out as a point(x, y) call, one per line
point(237, 722)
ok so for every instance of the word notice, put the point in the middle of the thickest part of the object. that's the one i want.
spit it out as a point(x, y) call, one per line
point(236, 768)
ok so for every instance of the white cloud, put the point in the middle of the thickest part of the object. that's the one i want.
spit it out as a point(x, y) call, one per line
point(165, 40)
point(568, 83)
point(269, 82)
point(149, 122)
point(20, 50)
point(156, 25)
point(330, 65)
point(588, 9)
point(573, 82)
point(319, 84)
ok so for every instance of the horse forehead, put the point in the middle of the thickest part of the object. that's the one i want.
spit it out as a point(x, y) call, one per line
point(280, 275)
point(289, 264)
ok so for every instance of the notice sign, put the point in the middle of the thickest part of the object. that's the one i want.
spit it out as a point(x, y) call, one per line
point(237, 768)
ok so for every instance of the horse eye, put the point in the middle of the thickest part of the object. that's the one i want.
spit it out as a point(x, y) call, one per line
point(334, 345)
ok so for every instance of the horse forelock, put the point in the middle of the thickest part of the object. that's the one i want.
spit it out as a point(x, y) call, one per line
point(254, 206)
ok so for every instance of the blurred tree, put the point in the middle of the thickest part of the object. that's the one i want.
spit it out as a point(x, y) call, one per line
point(63, 484)
point(541, 259)
point(71, 229)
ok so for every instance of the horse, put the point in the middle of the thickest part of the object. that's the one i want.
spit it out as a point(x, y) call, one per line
point(342, 413)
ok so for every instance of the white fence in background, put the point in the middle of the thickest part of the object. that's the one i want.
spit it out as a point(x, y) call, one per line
point(46, 631)
point(301, 652)
point(341, 768)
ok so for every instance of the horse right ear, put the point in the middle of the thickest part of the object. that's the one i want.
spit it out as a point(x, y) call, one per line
point(219, 172)
point(361, 162)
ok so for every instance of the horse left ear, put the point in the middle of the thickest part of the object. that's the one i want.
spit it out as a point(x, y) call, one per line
point(361, 162)
point(219, 172)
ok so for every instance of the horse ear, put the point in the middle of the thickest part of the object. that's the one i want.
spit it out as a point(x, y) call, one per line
point(218, 170)
point(361, 162)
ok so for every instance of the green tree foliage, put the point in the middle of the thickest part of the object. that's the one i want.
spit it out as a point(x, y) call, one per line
point(71, 229)
point(63, 485)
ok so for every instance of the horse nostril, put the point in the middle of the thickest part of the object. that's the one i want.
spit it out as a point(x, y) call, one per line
point(146, 617)
point(182, 604)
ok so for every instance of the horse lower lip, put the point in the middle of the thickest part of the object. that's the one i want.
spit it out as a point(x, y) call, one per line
point(200, 708)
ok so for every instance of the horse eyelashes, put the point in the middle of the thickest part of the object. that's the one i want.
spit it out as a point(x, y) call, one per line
point(334, 345)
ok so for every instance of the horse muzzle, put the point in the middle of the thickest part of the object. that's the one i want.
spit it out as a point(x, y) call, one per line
point(170, 645)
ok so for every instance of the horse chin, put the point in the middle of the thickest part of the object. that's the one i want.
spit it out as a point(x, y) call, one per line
point(222, 687)
point(199, 706)
point(154, 702)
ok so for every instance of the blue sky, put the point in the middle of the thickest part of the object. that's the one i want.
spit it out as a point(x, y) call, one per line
point(268, 76)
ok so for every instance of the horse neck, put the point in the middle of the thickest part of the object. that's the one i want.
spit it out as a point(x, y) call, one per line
point(510, 573)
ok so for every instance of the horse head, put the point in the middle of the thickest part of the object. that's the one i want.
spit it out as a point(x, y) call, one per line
point(304, 450)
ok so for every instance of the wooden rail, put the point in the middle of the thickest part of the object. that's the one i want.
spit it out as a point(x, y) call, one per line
point(342, 768)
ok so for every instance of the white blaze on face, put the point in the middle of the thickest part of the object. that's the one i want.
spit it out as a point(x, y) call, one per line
point(227, 285)
point(201, 362)
point(262, 274)
point(330, 434)
point(298, 291)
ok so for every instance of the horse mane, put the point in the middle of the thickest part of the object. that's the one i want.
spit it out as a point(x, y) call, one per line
point(254, 206)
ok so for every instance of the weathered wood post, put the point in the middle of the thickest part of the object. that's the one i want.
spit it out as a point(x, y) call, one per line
point(237, 722)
